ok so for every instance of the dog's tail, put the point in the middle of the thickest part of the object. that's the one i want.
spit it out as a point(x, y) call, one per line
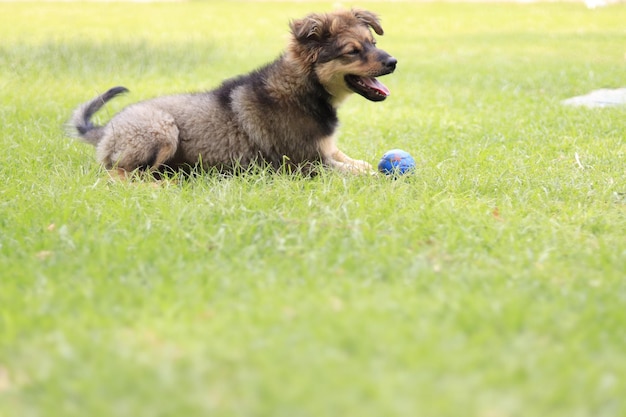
point(81, 119)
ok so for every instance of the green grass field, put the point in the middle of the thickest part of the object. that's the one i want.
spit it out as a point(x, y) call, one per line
point(492, 283)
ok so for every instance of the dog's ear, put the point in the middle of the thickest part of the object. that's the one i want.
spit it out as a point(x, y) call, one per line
point(312, 27)
point(308, 34)
point(370, 19)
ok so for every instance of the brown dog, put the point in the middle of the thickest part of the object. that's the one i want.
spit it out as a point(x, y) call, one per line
point(282, 114)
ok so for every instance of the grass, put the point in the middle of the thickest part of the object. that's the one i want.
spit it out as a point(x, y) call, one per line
point(490, 283)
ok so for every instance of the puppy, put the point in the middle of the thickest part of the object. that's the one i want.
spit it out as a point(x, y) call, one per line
point(283, 114)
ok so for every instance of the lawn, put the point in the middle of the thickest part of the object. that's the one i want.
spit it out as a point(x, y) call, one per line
point(490, 283)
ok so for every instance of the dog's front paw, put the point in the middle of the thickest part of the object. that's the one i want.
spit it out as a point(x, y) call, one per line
point(360, 167)
point(342, 162)
point(354, 166)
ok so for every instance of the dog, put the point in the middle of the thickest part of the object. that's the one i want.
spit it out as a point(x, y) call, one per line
point(283, 114)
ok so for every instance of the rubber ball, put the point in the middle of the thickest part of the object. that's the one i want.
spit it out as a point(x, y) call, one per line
point(396, 162)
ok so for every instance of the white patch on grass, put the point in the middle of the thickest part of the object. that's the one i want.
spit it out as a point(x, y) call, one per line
point(603, 97)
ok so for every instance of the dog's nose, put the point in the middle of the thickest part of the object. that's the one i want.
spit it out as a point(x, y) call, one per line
point(390, 63)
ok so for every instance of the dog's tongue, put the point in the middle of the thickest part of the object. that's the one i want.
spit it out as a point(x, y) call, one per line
point(374, 84)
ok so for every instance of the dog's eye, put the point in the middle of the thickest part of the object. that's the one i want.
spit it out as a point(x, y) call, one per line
point(354, 51)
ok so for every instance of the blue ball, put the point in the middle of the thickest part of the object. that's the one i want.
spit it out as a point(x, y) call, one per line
point(396, 162)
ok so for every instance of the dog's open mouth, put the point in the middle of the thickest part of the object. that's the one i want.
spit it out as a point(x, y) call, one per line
point(368, 87)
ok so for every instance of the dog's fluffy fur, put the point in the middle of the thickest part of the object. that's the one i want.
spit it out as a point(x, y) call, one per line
point(283, 113)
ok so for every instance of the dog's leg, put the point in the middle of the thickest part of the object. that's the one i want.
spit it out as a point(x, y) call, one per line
point(355, 164)
point(141, 138)
point(166, 151)
point(349, 165)
point(118, 174)
point(333, 157)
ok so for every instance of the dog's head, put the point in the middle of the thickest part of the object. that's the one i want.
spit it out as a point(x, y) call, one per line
point(340, 49)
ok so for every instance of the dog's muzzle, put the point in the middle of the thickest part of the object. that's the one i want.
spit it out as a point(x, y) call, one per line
point(370, 87)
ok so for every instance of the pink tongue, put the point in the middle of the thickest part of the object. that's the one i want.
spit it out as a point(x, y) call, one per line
point(374, 84)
